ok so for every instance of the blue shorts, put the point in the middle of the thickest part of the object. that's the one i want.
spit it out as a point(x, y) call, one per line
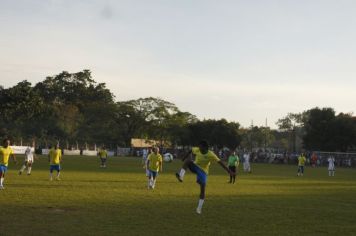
point(3, 169)
point(152, 173)
point(201, 175)
point(301, 169)
point(54, 167)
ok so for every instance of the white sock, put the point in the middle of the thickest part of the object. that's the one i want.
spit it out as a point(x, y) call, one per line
point(58, 174)
point(29, 170)
point(200, 204)
point(23, 168)
point(182, 173)
point(1, 181)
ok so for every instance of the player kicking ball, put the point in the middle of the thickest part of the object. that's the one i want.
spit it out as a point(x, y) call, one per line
point(55, 159)
point(29, 158)
point(154, 165)
point(203, 158)
point(5, 153)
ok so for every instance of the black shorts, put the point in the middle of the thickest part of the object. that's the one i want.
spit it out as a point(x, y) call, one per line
point(232, 169)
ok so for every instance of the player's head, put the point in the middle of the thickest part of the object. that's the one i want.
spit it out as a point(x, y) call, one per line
point(56, 146)
point(204, 146)
point(155, 150)
point(6, 142)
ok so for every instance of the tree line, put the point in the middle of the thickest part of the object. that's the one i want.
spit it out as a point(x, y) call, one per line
point(74, 109)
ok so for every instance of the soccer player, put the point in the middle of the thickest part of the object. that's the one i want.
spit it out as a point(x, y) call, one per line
point(154, 165)
point(103, 154)
point(331, 167)
point(233, 164)
point(203, 158)
point(314, 160)
point(5, 153)
point(301, 164)
point(29, 158)
point(247, 166)
point(55, 159)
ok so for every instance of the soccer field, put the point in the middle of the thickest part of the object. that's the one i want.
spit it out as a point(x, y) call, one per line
point(115, 201)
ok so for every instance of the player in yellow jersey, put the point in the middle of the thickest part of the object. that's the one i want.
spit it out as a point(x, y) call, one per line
point(301, 164)
point(55, 160)
point(5, 153)
point(203, 158)
point(103, 154)
point(154, 165)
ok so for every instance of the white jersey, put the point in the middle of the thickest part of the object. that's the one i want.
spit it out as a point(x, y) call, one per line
point(246, 158)
point(29, 153)
point(331, 161)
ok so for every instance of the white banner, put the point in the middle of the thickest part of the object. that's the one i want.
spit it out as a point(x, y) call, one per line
point(20, 149)
point(45, 151)
point(90, 153)
point(71, 152)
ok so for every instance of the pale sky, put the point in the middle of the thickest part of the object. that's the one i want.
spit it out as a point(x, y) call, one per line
point(239, 60)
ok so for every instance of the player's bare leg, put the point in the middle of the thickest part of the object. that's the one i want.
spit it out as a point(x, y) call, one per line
point(201, 198)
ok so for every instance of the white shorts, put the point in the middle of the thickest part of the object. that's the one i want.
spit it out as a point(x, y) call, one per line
point(29, 160)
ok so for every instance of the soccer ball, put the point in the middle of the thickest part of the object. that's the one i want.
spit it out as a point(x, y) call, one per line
point(168, 157)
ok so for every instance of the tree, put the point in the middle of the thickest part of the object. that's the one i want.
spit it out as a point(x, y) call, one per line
point(292, 124)
point(327, 132)
point(219, 133)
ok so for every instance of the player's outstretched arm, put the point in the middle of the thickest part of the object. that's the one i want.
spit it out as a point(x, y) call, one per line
point(14, 158)
point(187, 155)
point(222, 164)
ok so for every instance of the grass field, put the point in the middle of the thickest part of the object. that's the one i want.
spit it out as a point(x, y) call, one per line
point(115, 201)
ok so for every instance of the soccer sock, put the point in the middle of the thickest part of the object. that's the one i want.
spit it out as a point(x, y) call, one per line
point(200, 203)
point(23, 168)
point(149, 183)
point(58, 173)
point(50, 175)
point(1, 181)
point(29, 170)
point(182, 173)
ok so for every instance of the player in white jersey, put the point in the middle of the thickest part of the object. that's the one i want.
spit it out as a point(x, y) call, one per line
point(247, 166)
point(29, 158)
point(331, 167)
point(145, 153)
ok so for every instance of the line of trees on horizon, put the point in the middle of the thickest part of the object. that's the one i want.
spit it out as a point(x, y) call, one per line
point(74, 109)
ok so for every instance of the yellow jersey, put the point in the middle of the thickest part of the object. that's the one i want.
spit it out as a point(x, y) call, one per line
point(103, 153)
point(203, 160)
point(301, 160)
point(55, 156)
point(5, 154)
point(155, 161)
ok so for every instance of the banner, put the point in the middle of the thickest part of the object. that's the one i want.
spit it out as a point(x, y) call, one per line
point(20, 149)
point(71, 152)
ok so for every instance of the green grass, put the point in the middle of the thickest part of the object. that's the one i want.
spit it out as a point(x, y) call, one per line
point(115, 201)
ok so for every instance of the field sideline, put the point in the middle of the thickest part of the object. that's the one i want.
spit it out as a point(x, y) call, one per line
point(115, 201)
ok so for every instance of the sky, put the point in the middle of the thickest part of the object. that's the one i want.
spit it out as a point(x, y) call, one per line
point(244, 61)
